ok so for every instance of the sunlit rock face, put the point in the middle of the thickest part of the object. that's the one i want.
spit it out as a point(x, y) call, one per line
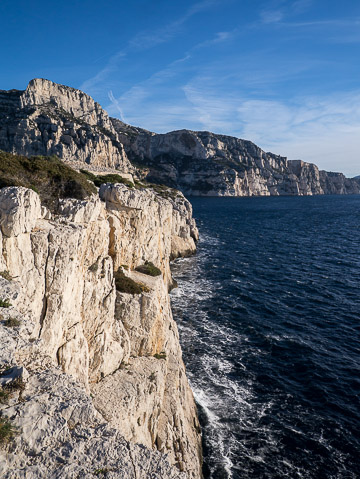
point(101, 367)
point(48, 118)
point(206, 164)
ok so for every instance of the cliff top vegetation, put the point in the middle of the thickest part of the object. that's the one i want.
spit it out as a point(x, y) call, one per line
point(46, 175)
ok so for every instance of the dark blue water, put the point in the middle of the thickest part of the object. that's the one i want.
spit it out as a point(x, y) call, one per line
point(268, 312)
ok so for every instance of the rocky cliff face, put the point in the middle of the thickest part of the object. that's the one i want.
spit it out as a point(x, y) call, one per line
point(48, 118)
point(205, 164)
point(100, 367)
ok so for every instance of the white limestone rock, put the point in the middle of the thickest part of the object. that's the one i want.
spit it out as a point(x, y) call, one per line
point(78, 211)
point(62, 436)
point(52, 119)
point(19, 210)
point(148, 227)
point(202, 163)
point(149, 399)
point(71, 316)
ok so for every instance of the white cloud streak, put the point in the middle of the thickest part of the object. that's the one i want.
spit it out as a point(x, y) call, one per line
point(322, 130)
point(144, 41)
point(277, 10)
point(116, 104)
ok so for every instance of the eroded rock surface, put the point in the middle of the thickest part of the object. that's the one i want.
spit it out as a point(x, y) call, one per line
point(63, 436)
point(77, 334)
point(48, 118)
point(206, 164)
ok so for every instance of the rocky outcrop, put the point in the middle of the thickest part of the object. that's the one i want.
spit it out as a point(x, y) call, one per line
point(48, 118)
point(131, 242)
point(103, 367)
point(62, 436)
point(148, 399)
point(205, 164)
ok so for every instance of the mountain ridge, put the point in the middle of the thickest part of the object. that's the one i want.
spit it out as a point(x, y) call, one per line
point(48, 118)
point(208, 164)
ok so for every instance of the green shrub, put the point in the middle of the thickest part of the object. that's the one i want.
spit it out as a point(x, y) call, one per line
point(90, 176)
point(127, 285)
point(4, 396)
point(47, 175)
point(163, 190)
point(6, 275)
point(112, 178)
point(98, 180)
point(7, 431)
point(12, 322)
point(4, 303)
point(161, 355)
point(148, 268)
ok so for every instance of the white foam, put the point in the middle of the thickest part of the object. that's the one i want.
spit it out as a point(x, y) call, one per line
point(205, 403)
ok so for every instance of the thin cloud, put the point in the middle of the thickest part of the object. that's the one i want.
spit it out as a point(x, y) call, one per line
point(136, 96)
point(344, 23)
point(322, 130)
point(115, 103)
point(271, 16)
point(278, 10)
point(300, 6)
point(144, 41)
point(220, 37)
point(110, 67)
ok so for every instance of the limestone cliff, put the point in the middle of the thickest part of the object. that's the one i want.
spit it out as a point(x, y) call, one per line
point(206, 164)
point(93, 367)
point(48, 119)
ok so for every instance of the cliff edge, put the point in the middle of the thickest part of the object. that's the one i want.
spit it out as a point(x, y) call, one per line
point(91, 374)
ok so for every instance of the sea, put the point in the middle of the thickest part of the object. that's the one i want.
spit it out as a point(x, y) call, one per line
point(268, 312)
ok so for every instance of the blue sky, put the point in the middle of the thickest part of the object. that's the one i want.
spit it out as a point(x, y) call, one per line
point(284, 74)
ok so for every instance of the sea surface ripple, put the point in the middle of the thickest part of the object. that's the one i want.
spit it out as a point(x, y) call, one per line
point(268, 313)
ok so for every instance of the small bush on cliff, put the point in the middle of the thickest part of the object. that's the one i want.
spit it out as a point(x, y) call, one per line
point(163, 190)
point(148, 268)
point(110, 178)
point(161, 355)
point(48, 176)
point(4, 396)
point(7, 431)
point(12, 322)
point(4, 303)
point(6, 275)
point(127, 285)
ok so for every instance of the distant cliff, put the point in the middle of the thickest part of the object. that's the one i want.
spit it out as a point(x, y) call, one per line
point(206, 164)
point(48, 118)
